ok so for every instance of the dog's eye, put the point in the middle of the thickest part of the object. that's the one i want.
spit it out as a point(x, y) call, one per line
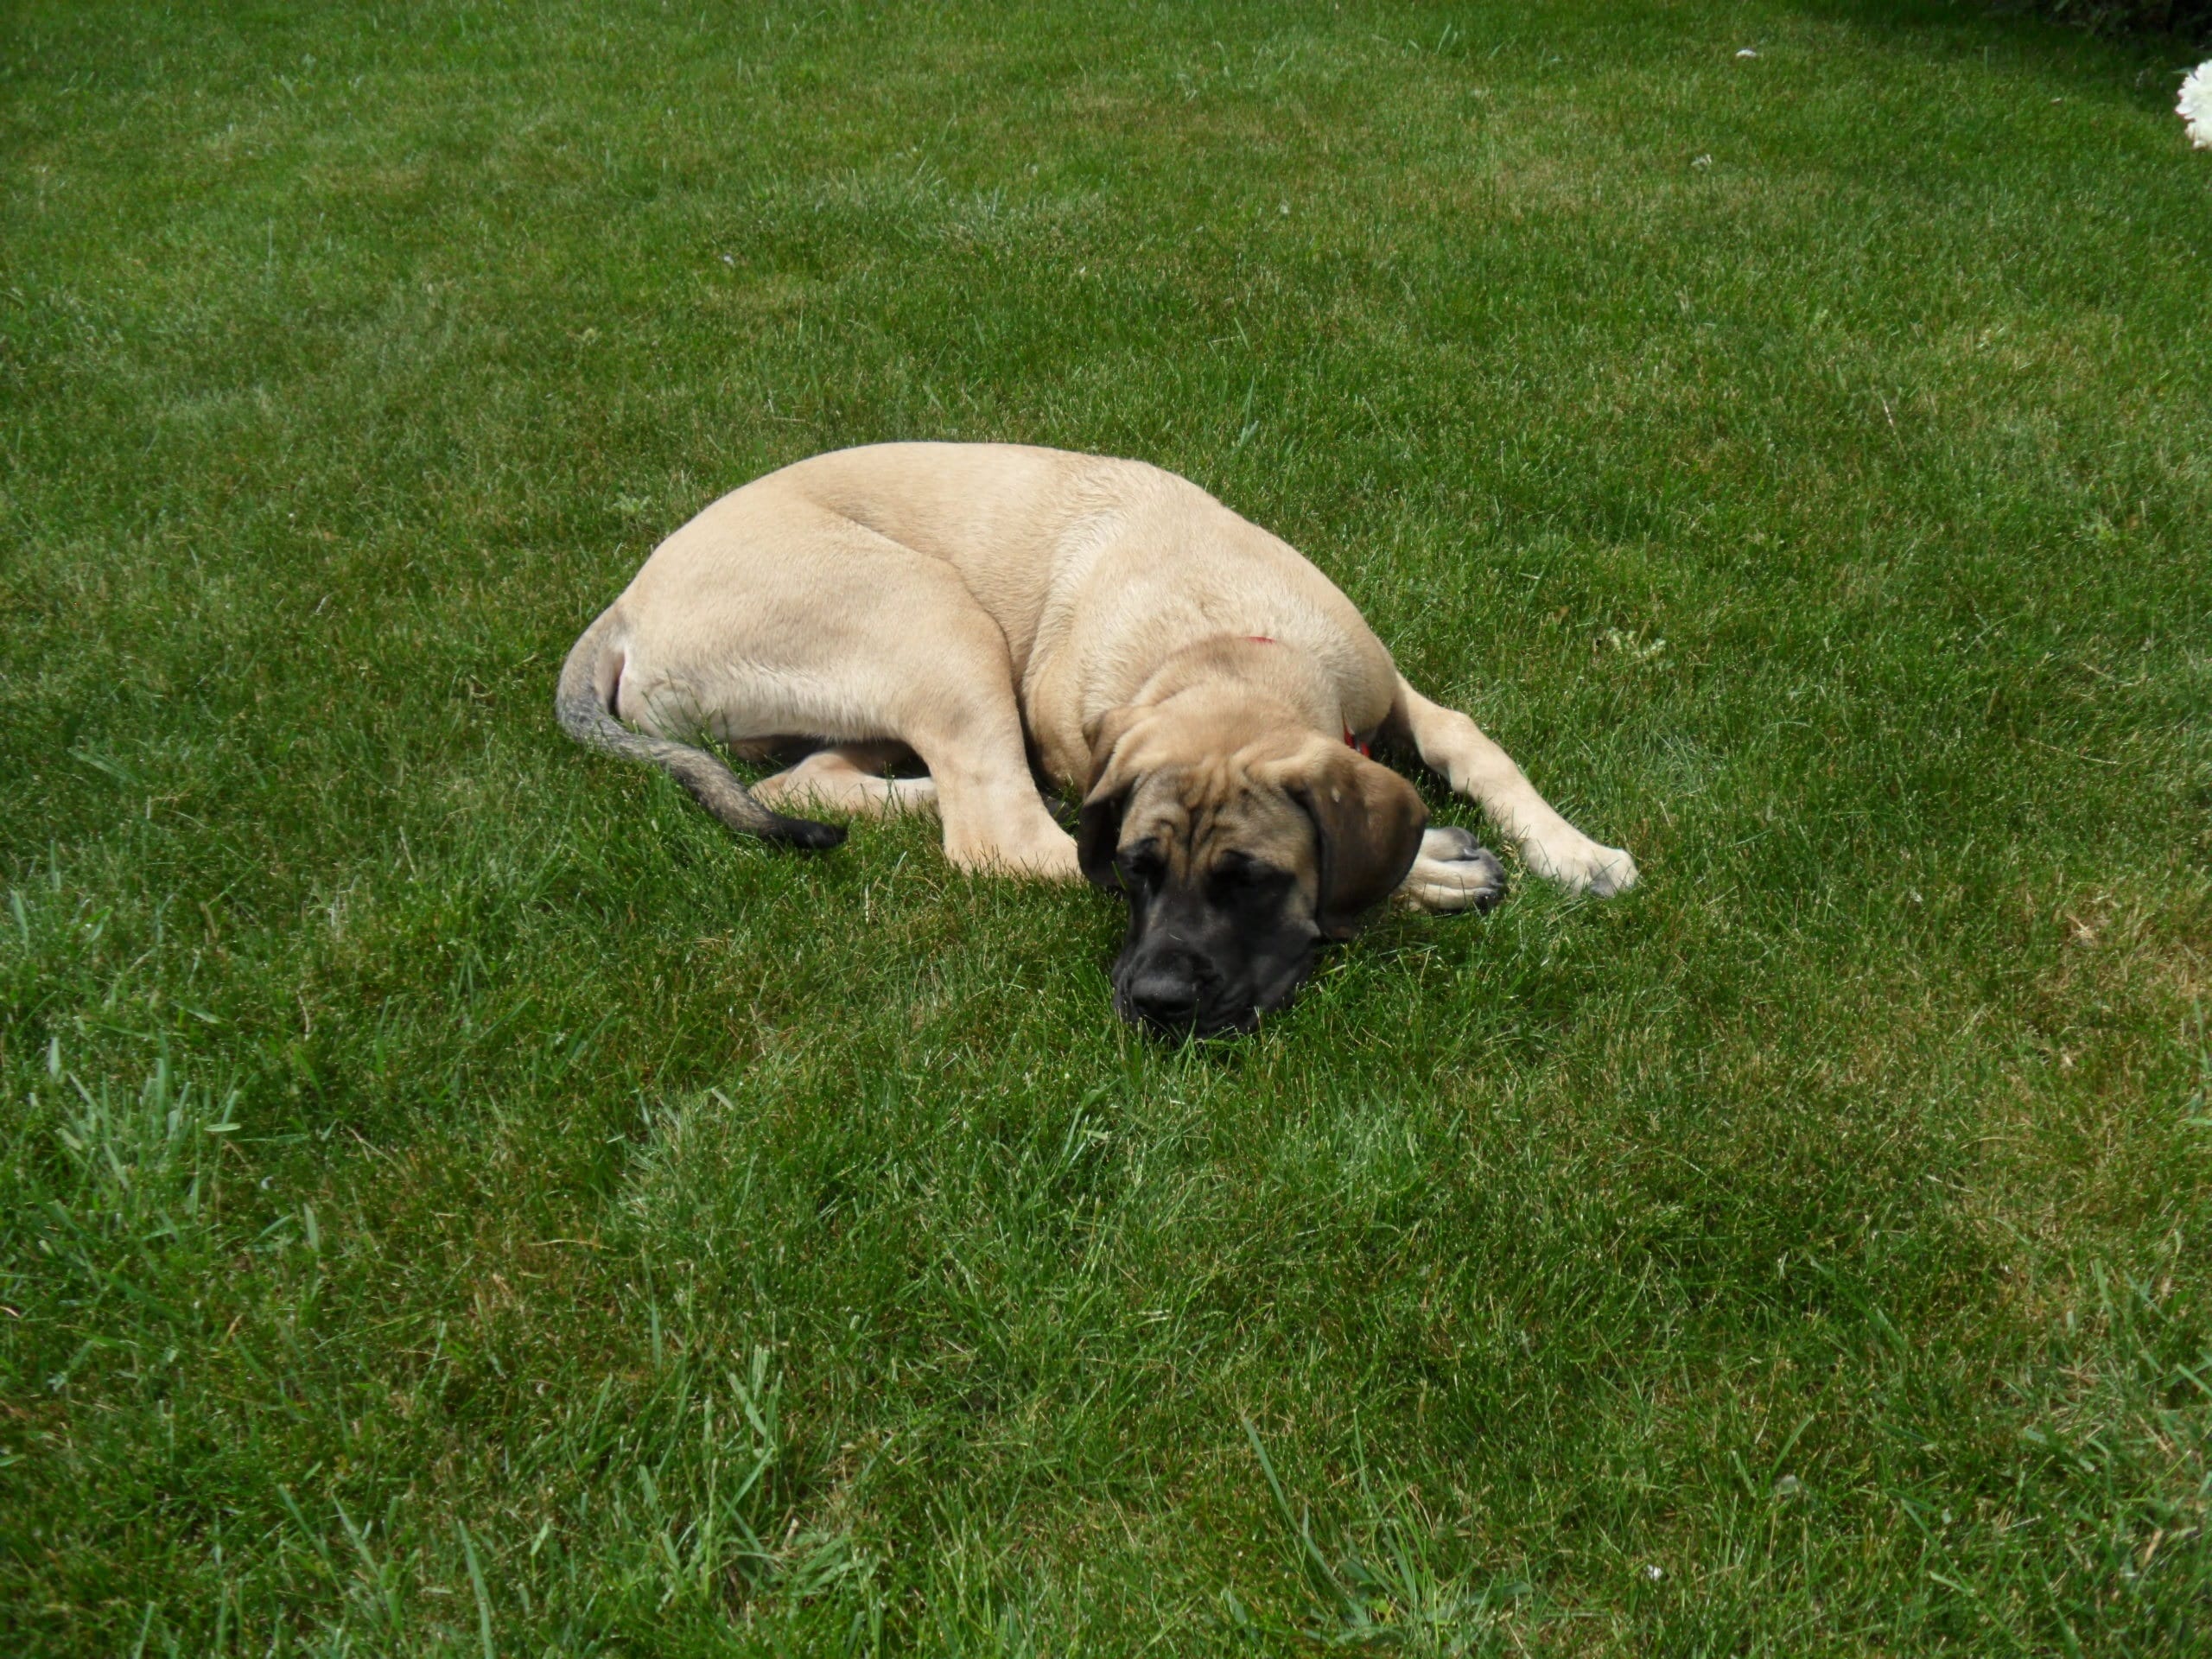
point(1237, 874)
point(1139, 861)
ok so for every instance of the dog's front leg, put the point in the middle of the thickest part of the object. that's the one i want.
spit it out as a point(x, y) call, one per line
point(1453, 744)
point(1452, 871)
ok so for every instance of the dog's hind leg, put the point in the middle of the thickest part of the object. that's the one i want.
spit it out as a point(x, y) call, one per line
point(583, 702)
point(790, 617)
point(967, 728)
point(994, 819)
point(848, 778)
point(1449, 743)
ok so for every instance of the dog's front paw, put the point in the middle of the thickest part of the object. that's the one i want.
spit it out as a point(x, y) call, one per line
point(1582, 866)
point(1452, 872)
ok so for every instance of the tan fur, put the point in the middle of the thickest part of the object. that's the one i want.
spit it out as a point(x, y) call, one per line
point(976, 603)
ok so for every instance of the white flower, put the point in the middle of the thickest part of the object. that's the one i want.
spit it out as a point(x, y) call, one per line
point(2195, 105)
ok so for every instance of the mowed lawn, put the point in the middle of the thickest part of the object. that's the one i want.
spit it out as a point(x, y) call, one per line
point(456, 1198)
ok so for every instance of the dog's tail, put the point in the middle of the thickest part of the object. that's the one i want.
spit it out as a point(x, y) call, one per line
point(584, 705)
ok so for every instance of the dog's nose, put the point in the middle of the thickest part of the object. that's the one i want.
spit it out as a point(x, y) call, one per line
point(1166, 996)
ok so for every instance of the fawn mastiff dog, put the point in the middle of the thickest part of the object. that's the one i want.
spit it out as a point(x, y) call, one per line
point(1002, 613)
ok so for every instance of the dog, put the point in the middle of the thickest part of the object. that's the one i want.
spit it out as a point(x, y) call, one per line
point(1012, 618)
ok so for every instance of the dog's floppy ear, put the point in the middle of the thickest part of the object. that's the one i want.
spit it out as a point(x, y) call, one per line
point(1368, 820)
point(1099, 832)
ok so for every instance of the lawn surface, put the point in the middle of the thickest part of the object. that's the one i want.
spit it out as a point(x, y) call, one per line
point(454, 1197)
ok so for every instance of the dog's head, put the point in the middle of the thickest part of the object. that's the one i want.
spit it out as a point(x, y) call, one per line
point(1239, 852)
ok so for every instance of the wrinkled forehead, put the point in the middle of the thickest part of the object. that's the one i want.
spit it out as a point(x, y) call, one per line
point(1196, 813)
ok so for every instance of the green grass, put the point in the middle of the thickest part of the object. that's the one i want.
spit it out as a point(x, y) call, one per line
point(453, 1197)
